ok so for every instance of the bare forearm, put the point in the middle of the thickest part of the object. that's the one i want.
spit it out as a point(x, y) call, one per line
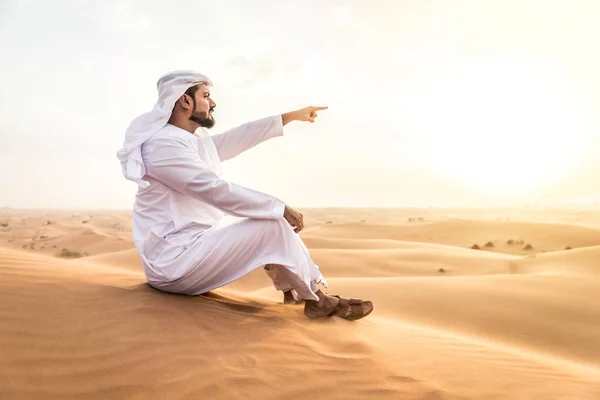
point(288, 117)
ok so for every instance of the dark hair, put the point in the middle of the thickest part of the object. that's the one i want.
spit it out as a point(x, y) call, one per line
point(192, 90)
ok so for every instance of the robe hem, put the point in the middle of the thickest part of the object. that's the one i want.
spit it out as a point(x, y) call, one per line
point(254, 266)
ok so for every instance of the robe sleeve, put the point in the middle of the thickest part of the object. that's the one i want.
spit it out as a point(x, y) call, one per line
point(180, 167)
point(244, 137)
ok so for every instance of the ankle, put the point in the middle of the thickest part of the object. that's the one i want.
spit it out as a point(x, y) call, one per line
point(325, 301)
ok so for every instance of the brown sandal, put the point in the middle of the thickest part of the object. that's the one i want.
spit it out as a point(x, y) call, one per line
point(355, 309)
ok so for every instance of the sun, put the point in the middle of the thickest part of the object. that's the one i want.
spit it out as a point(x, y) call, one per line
point(502, 127)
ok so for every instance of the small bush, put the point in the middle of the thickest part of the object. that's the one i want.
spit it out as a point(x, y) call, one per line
point(528, 247)
point(568, 248)
point(489, 244)
point(510, 242)
point(65, 253)
point(475, 247)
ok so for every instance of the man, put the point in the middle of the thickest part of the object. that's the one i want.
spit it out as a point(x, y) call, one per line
point(186, 243)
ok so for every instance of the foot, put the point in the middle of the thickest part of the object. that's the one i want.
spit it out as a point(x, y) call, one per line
point(336, 306)
point(352, 309)
point(322, 308)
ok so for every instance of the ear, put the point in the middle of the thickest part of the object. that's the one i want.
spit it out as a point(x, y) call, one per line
point(185, 102)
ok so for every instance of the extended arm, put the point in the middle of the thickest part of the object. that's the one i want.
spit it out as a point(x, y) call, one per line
point(179, 167)
point(244, 137)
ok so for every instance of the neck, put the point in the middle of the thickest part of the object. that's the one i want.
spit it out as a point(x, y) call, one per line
point(183, 123)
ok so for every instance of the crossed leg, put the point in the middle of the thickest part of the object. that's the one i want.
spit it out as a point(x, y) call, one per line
point(327, 305)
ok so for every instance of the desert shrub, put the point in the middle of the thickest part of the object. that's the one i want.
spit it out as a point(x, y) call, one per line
point(66, 253)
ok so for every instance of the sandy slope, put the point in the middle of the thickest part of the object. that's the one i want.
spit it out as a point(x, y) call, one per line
point(449, 322)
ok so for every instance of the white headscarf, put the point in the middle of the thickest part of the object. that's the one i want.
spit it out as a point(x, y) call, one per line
point(171, 87)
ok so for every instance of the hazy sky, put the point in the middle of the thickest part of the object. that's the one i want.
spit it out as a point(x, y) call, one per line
point(435, 103)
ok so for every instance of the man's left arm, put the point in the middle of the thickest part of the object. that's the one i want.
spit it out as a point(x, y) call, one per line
point(244, 137)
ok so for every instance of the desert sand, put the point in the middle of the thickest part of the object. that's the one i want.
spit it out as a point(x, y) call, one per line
point(505, 321)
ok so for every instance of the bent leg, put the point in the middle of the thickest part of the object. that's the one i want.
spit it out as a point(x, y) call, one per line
point(274, 271)
point(226, 254)
point(281, 283)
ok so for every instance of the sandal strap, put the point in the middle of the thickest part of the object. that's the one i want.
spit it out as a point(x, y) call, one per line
point(354, 308)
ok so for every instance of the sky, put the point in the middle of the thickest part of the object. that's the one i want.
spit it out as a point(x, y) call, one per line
point(431, 103)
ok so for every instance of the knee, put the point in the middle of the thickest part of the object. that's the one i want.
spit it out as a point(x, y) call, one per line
point(275, 224)
point(272, 228)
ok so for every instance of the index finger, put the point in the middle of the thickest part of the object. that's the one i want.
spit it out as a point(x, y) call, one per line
point(320, 108)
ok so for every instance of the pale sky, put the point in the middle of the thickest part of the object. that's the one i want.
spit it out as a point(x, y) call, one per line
point(431, 103)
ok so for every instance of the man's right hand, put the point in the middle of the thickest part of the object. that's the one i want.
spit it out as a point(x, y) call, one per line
point(294, 218)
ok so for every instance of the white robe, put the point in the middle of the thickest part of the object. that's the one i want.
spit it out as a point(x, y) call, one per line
point(186, 243)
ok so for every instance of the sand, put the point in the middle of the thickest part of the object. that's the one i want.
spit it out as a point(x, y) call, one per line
point(450, 322)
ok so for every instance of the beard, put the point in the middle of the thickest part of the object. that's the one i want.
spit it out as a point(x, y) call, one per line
point(203, 118)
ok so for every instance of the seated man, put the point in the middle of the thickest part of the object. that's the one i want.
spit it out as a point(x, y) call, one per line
point(186, 243)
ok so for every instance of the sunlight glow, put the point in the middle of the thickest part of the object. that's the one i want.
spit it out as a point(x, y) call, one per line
point(502, 127)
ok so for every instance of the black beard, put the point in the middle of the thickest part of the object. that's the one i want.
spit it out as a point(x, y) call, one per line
point(203, 119)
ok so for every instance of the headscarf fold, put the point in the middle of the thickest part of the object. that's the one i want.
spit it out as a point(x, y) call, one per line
point(171, 87)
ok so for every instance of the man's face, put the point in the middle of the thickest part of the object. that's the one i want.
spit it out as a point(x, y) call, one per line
point(202, 113)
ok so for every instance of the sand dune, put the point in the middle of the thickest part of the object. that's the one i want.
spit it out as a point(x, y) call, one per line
point(127, 259)
point(54, 231)
point(449, 322)
point(465, 233)
point(585, 261)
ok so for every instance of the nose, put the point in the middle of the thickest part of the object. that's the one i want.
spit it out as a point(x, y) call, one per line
point(212, 104)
